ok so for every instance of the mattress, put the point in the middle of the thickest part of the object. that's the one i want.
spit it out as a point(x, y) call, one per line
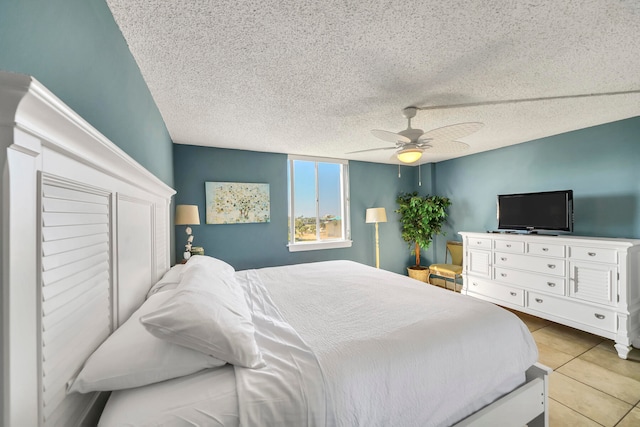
point(345, 345)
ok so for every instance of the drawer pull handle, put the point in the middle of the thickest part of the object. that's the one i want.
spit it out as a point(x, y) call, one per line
point(503, 258)
point(591, 253)
point(545, 249)
point(508, 246)
point(474, 284)
point(513, 294)
point(599, 316)
point(552, 266)
point(503, 274)
point(538, 300)
point(551, 284)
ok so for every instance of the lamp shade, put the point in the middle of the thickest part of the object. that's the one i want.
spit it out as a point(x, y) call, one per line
point(376, 215)
point(187, 215)
point(409, 155)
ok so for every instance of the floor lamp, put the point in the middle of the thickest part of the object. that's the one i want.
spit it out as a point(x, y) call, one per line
point(376, 215)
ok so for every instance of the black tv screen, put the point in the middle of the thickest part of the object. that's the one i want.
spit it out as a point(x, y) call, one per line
point(549, 210)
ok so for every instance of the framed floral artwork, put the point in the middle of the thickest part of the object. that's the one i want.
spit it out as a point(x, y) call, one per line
point(236, 202)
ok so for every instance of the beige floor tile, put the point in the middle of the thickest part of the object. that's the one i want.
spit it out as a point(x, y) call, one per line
point(634, 354)
point(610, 360)
point(533, 323)
point(632, 419)
point(607, 345)
point(582, 391)
point(551, 357)
point(586, 400)
point(586, 338)
point(562, 416)
point(565, 339)
point(617, 385)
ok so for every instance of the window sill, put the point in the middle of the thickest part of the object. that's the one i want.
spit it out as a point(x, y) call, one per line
point(314, 246)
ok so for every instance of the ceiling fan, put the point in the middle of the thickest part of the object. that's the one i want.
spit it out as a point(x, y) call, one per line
point(411, 143)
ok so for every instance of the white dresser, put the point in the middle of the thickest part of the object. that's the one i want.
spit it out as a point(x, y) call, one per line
point(588, 283)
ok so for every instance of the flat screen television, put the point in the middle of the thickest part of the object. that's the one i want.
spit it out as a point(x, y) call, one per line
point(544, 211)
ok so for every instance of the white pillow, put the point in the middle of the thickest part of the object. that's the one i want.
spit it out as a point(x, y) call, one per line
point(132, 357)
point(169, 281)
point(215, 265)
point(208, 313)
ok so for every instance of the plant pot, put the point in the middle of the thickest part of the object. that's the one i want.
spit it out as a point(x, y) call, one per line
point(419, 273)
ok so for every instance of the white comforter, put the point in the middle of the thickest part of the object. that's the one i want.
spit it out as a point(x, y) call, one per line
point(349, 345)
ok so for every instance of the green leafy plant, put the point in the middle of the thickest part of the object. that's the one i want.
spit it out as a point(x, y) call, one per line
point(422, 218)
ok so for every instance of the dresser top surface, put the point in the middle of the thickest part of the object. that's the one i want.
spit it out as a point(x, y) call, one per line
point(548, 238)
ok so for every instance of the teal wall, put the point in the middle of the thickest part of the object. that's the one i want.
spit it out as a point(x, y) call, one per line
point(600, 164)
point(260, 245)
point(75, 49)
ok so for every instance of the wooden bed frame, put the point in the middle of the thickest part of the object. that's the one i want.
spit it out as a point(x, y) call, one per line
point(85, 233)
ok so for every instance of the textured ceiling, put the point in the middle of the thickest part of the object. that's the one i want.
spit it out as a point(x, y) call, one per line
point(313, 78)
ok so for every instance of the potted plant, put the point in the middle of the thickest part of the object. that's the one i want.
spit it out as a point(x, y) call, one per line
point(422, 218)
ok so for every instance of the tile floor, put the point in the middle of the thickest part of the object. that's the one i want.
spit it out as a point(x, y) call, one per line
point(590, 385)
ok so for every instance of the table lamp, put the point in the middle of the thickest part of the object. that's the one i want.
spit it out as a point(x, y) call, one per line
point(187, 215)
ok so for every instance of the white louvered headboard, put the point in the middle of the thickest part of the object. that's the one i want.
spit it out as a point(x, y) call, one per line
point(85, 233)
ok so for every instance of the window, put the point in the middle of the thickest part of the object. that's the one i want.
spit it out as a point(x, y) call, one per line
point(318, 203)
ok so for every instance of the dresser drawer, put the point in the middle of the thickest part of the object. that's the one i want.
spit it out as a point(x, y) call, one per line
point(496, 291)
point(596, 317)
point(509, 246)
point(546, 249)
point(533, 281)
point(554, 266)
point(585, 253)
point(479, 243)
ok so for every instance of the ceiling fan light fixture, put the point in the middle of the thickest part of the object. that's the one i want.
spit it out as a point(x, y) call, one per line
point(409, 155)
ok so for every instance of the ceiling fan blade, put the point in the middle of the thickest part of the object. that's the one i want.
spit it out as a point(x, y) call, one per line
point(389, 136)
point(447, 147)
point(452, 132)
point(372, 149)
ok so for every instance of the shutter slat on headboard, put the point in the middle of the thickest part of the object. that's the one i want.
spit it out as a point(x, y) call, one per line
point(77, 306)
point(72, 243)
point(57, 233)
point(69, 206)
point(69, 282)
point(56, 349)
point(75, 295)
point(82, 292)
point(57, 192)
point(61, 368)
point(57, 366)
point(98, 286)
point(54, 219)
point(64, 258)
point(49, 277)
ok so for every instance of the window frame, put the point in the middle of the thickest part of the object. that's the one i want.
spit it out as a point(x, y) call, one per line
point(345, 241)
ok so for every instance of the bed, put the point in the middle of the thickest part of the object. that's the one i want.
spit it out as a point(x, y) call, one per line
point(341, 344)
point(332, 343)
